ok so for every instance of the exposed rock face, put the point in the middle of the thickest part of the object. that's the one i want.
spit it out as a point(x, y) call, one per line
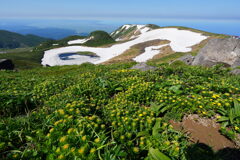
point(235, 72)
point(6, 64)
point(219, 51)
point(143, 67)
point(187, 59)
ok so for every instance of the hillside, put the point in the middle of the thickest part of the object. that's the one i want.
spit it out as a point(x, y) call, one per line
point(177, 40)
point(128, 31)
point(95, 39)
point(10, 40)
point(112, 112)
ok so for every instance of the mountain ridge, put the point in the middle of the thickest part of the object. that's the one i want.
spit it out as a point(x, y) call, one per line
point(11, 40)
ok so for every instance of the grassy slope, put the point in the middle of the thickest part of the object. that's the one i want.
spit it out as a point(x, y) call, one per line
point(106, 92)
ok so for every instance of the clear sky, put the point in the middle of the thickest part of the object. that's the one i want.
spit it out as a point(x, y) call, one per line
point(112, 9)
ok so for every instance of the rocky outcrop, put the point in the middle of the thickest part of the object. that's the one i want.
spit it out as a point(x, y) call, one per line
point(6, 64)
point(219, 51)
point(235, 72)
point(187, 59)
point(143, 67)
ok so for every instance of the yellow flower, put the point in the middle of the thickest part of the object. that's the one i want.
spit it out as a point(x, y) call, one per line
point(15, 156)
point(167, 143)
point(204, 112)
point(61, 157)
point(66, 146)
point(218, 117)
point(140, 115)
point(51, 130)
point(135, 149)
point(81, 150)
point(97, 140)
point(92, 150)
point(61, 111)
point(58, 150)
point(70, 130)
point(63, 139)
point(177, 149)
point(236, 128)
point(200, 106)
point(84, 138)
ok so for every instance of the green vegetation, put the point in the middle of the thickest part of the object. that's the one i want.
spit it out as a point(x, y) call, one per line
point(24, 58)
point(167, 59)
point(100, 38)
point(88, 54)
point(12, 40)
point(111, 112)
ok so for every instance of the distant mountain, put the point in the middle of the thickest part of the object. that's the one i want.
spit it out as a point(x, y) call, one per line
point(12, 40)
point(52, 33)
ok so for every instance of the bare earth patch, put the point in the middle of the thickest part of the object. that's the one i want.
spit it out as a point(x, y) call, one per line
point(164, 51)
point(202, 130)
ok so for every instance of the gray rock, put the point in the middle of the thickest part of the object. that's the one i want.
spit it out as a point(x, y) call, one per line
point(219, 51)
point(143, 67)
point(187, 59)
point(235, 72)
point(6, 64)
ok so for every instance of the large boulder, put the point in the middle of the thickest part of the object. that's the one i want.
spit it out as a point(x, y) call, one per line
point(143, 67)
point(219, 51)
point(6, 64)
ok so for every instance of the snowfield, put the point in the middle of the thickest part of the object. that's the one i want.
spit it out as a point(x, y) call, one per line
point(180, 41)
point(79, 41)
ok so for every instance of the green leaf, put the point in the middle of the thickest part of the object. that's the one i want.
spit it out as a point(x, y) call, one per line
point(29, 138)
point(223, 119)
point(155, 107)
point(236, 108)
point(176, 89)
point(157, 155)
point(156, 128)
point(143, 133)
point(119, 89)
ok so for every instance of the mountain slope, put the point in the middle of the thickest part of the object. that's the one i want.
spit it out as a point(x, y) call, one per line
point(131, 31)
point(178, 41)
point(12, 40)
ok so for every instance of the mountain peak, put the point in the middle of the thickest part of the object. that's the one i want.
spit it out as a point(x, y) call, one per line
point(131, 31)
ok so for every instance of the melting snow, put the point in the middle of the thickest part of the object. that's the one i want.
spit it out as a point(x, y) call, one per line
point(79, 41)
point(180, 41)
point(149, 53)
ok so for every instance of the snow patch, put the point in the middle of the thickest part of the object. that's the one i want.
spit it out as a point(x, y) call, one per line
point(149, 53)
point(79, 41)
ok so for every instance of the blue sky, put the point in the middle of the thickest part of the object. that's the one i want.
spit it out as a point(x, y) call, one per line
point(112, 9)
point(218, 16)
